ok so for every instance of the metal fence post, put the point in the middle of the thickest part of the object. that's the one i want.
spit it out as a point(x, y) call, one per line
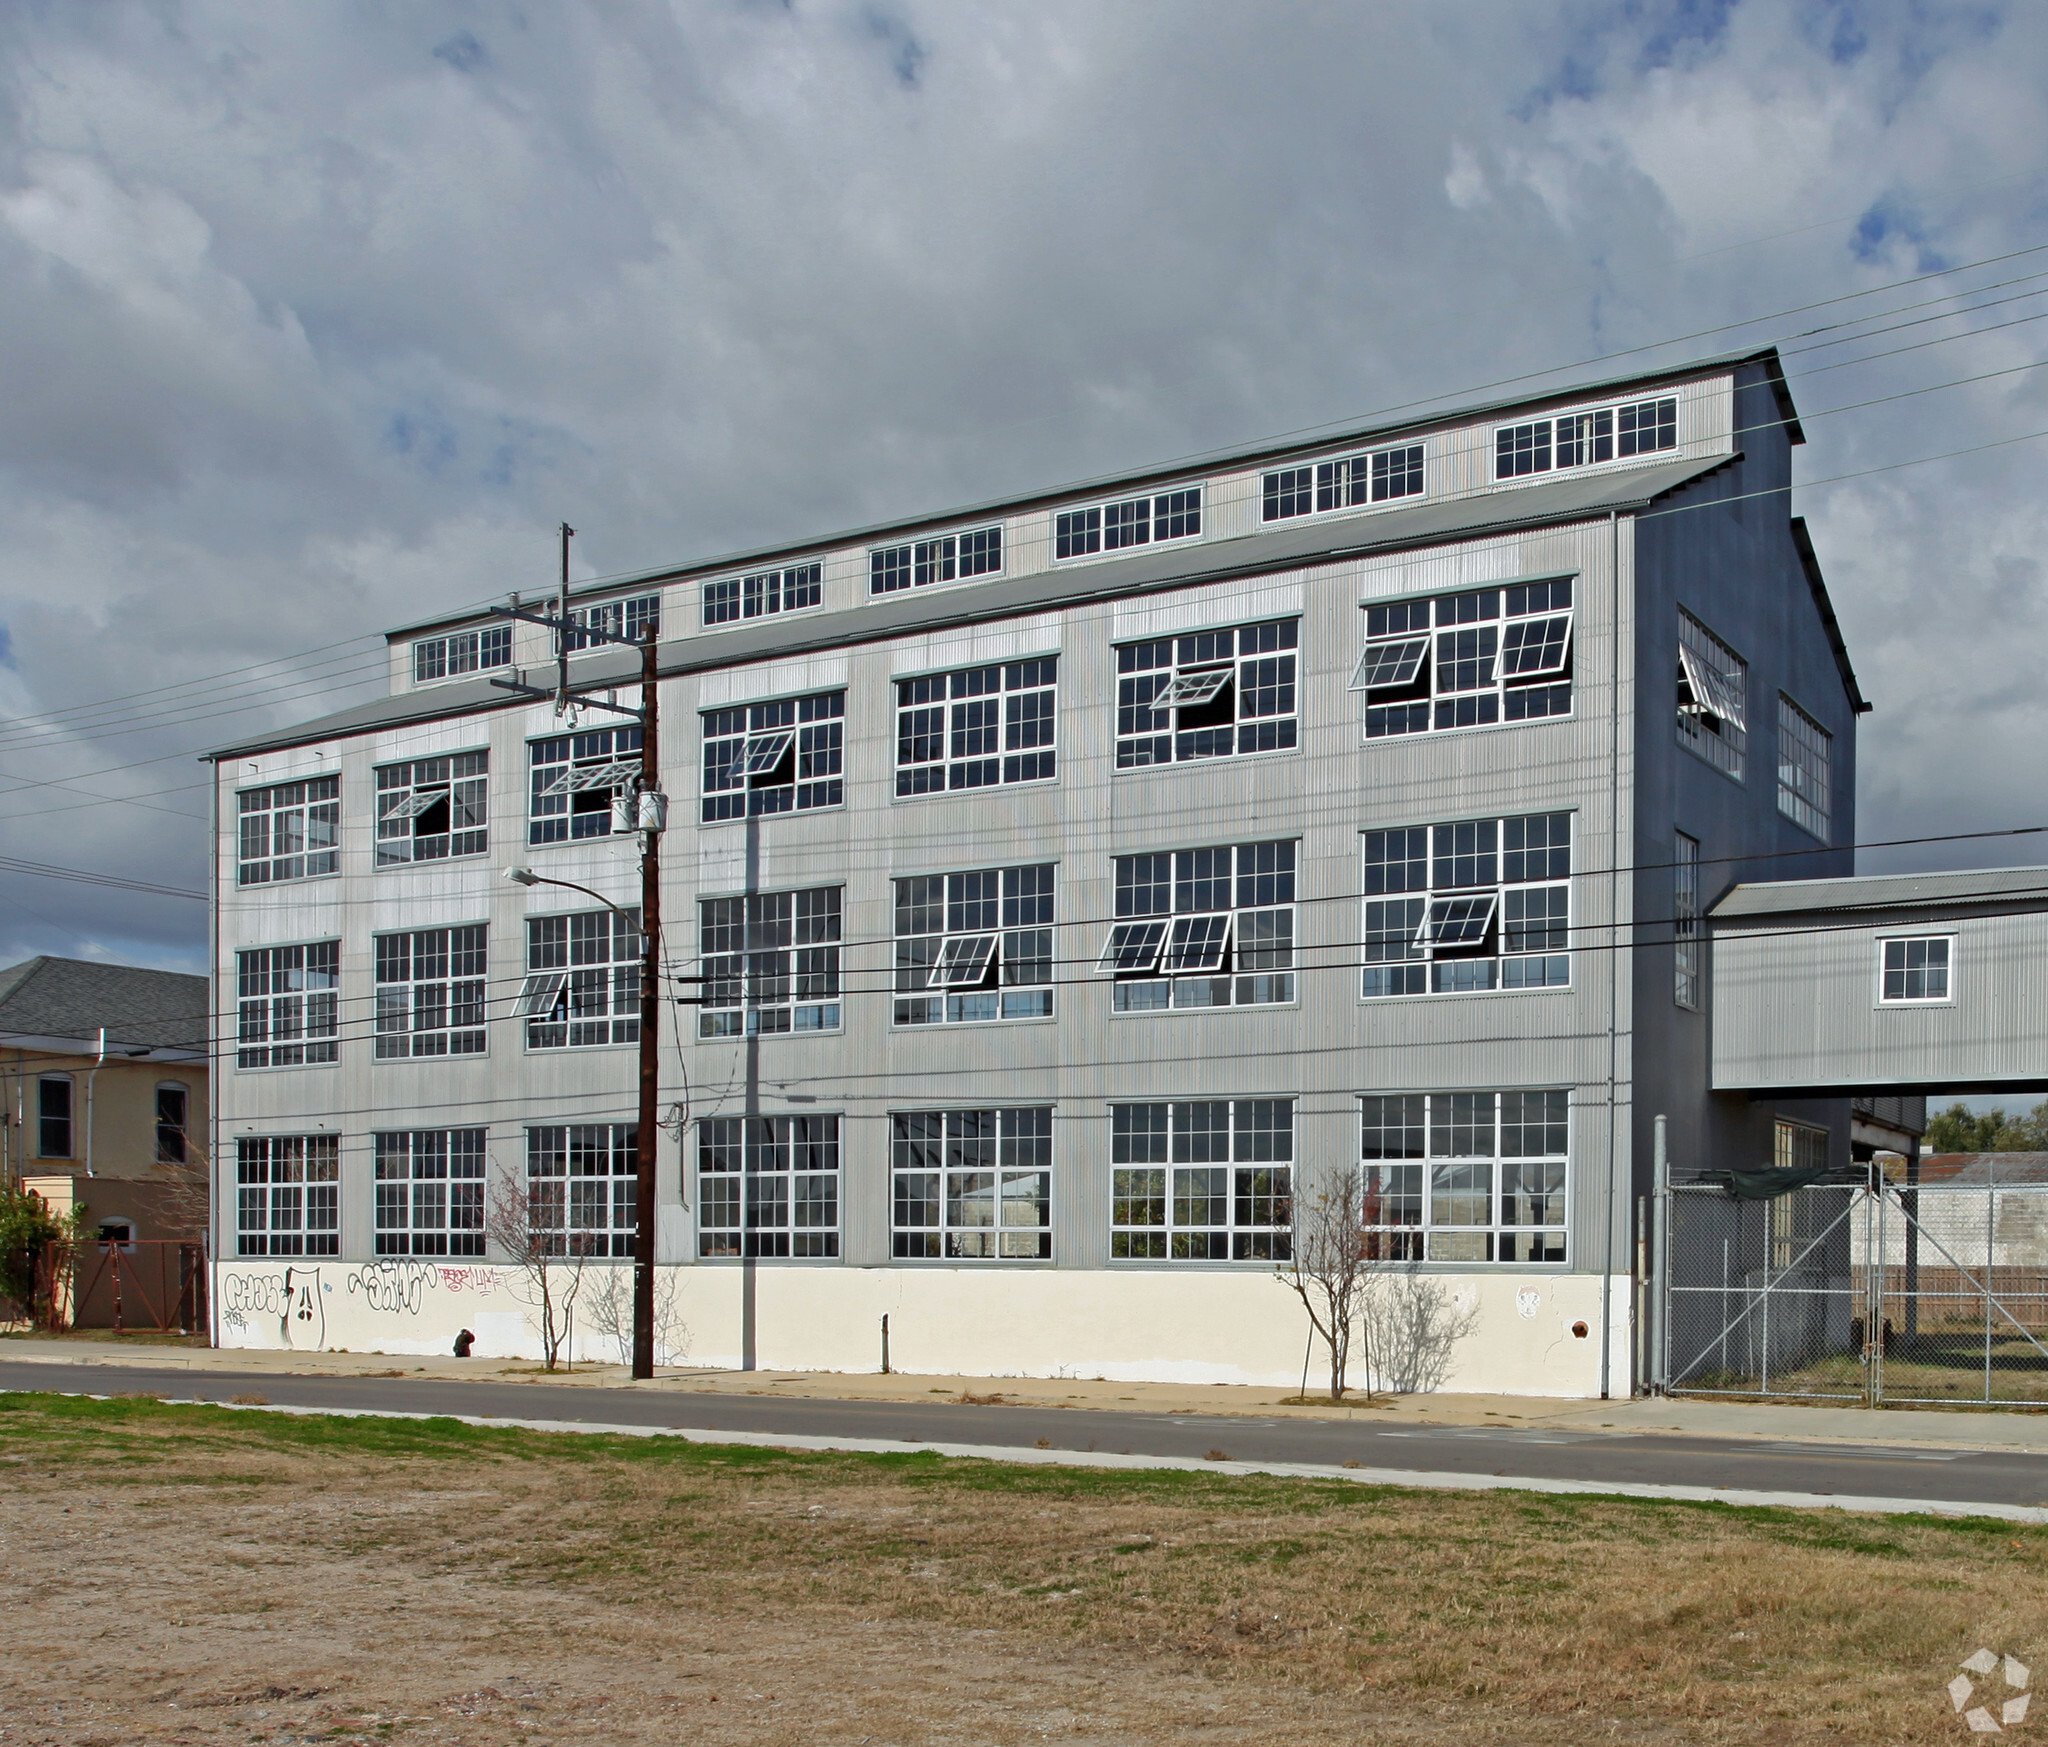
point(1660, 1262)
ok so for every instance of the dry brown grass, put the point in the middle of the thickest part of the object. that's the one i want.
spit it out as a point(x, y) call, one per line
point(1153, 1606)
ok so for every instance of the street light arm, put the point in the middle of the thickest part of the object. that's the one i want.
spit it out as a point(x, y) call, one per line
point(525, 876)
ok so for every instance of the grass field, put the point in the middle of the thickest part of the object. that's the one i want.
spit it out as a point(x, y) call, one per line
point(197, 1575)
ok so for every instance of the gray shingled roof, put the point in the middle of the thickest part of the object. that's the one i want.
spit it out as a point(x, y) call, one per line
point(74, 998)
point(1256, 554)
point(1884, 892)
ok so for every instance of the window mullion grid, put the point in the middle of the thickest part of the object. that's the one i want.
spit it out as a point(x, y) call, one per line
point(1214, 1183)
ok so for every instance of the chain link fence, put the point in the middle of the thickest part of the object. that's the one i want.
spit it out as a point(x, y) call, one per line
point(1927, 1294)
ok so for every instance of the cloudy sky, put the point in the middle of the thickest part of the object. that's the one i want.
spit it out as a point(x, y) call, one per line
point(314, 318)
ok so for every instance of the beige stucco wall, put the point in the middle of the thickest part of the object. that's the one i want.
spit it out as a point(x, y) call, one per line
point(124, 1112)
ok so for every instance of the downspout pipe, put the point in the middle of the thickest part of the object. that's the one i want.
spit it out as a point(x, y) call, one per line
point(89, 1079)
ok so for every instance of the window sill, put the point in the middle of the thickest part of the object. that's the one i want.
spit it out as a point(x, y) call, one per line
point(1464, 995)
point(1883, 1006)
point(704, 824)
point(572, 1049)
point(413, 1061)
point(1041, 782)
point(1429, 734)
point(289, 1068)
point(303, 880)
point(415, 866)
point(1211, 1012)
point(898, 1029)
point(1227, 758)
point(746, 1037)
point(712, 630)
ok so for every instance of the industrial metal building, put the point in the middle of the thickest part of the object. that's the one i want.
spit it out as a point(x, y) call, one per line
point(1081, 881)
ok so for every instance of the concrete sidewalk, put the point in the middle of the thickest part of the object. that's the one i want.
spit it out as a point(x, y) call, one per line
point(1775, 1421)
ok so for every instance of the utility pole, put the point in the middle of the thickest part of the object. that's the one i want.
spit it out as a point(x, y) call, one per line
point(645, 811)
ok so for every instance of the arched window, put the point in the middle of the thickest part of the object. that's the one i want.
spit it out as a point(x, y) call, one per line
point(172, 1104)
point(53, 1116)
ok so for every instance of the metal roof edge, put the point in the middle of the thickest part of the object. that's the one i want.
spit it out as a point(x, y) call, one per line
point(1293, 548)
point(1809, 560)
point(1149, 477)
point(1761, 899)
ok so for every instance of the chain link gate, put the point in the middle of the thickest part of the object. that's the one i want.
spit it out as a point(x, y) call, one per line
point(1928, 1294)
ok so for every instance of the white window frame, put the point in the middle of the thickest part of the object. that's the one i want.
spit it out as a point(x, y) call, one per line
point(1124, 524)
point(956, 557)
point(768, 1186)
point(457, 996)
point(1415, 933)
point(794, 588)
point(1713, 699)
point(1440, 664)
point(1139, 690)
point(290, 1020)
point(1615, 432)
point(430, 1191)
point(1947, 942)
point(1157, 1160)
point(1393, 475)
point(1805, 769)
point(582, 991)
point(767, 973)
point(994, 726)
point(304, 817)
point(961, 972)
point(287, 1195)
point(1790, 1136)
point(627, 617)
point(582, 1183)
point(1017, 1159)
point(1419, 1200)
point(779, 755)
point(408, 793)
point(1686, 958)
point(435, 659)
point(578, 777)
point(1179, 960)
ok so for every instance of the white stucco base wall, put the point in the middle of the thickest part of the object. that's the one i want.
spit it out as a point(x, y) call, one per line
point(1126, 1325)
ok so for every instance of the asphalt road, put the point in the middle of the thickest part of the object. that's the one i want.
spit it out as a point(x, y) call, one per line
point(1622, 1458)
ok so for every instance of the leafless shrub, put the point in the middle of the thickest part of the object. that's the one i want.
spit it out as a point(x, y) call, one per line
point(1331, 1272)
point(527, 1223)
point(608, 1311)
point(1412, 1328)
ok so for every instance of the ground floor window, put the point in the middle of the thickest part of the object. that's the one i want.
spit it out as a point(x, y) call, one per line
point(972, 1185)
point(1466, 1176)
point(430, 1192)
point(1210, 1180)
point(288, 1195)
point(581, 1183)
point(768, 1186)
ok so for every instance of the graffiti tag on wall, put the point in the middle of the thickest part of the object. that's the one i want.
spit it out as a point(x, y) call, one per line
point(396, 1287)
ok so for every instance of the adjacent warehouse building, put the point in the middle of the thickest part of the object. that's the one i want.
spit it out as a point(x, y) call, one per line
point(1082, 881)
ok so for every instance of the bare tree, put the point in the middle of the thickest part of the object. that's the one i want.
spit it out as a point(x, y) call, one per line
point(528, 1223)
point(1331, 1272)
point(608, 1310)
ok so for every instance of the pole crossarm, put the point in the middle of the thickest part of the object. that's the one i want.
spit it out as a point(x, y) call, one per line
point(589, 633)
point(582, 698)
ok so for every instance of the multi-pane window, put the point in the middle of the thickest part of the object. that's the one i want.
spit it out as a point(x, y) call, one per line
point(582, 983)
point(781, 757)
point(53, 1116)
point(288, 1195)
point(949, 558)
point(430, 1192)
point(768, 1186)
point(430, 992)
point(1685, 921)
point(1465, 1176)
point(1202, 928)
point(461, 652)
point(1479, 904)
point(1467, 660)
point(1713, 698)
point(1798, 1146)
point(977, 727)
point(289, 831)
point(630, 619)
point(1582, 439)
point(1915, 969)
point(974, 946)
point(1206, 1181)
point(771, 962)
point(1132, 521)
point(787, 590)
point(574, 777)
point(581, 1179)
point(1805, 758)
point(1210, 694)
point(1341, 484)
point(972, 1185)
point(433, 808)
point(287, 1012)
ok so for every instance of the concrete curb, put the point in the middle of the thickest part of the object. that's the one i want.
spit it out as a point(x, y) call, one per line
point(1428, 1480)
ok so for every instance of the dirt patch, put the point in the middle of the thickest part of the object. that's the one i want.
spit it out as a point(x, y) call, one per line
point(188, 1575)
